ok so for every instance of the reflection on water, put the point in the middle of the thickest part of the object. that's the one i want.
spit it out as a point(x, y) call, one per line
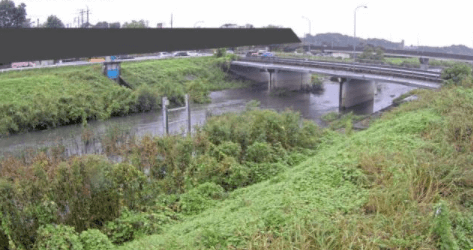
point(311, 106)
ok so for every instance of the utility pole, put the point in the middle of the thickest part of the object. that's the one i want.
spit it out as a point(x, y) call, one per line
point(37, 22)
point(171, 20)
point(88, 16)
point(82, 17)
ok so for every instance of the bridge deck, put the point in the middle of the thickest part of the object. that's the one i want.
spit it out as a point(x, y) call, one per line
point(430, 83)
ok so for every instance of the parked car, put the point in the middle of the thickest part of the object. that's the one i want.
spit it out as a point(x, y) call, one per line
point(192, 53)
point(22, 64)
point(230, 52)
point(267, 54)
point(124, 57)
point(163, 54)
point(180, 54)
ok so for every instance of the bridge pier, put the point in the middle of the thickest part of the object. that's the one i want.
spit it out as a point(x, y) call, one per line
point(424, 63)
point(355, 91)
point(290, 80)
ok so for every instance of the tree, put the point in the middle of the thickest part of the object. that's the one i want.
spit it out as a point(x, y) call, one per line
point(53, 22)
point(136, 24)
point(102, 25)
point(27, 23)
point(11, 16)
point(86, 25)
point(114, 25)
point(273, 27)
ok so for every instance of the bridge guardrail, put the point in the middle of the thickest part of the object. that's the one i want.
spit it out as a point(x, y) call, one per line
point(426, 76)
point(360, 65)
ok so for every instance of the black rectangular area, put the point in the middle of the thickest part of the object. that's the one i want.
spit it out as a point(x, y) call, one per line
point(18, 45)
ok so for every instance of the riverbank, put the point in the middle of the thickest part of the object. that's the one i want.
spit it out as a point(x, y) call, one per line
point(259, 180)
point(402, 183)
point(38, 99)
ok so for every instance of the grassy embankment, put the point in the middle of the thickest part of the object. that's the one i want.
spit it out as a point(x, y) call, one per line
point(47, 98)
point(404, 183)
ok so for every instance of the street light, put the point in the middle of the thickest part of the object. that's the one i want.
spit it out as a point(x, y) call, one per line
point(195, 24)
point(361, 6)
point(309, 29)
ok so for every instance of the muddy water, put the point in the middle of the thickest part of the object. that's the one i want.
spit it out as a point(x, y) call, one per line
point(311, 106)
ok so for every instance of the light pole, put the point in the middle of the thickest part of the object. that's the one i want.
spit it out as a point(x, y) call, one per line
point(354, 43)
point(195, 24)
point(309, 29)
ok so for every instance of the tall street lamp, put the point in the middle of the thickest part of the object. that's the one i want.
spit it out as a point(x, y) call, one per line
point(354, 43)
point(195, 24)
point(309, 29)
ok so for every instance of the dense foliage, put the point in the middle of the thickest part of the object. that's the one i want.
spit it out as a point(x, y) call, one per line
point(160, 179)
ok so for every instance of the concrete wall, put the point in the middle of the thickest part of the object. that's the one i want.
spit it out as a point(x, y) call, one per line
point(354, 92)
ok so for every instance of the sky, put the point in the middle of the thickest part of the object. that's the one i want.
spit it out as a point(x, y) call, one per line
point(430, 23)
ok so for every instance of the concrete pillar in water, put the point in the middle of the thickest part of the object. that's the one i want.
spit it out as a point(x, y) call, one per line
point(290, 80)
point(354, 92)
point(424, 63)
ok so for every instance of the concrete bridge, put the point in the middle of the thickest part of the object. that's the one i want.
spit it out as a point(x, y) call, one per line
point(357, 81)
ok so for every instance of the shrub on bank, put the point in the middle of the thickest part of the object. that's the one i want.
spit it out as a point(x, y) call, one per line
point(57, 237)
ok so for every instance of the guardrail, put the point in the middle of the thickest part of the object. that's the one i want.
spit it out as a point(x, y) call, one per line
point(353, 67)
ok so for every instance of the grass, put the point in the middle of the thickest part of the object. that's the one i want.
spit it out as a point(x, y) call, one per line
point(404, 183)
point(46, 98)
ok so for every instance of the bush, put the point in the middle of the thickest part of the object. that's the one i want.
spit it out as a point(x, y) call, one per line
point(130, 182)
point(221, 52)
point(132, 225)
point(455, 74)
point(201, 198)
point(93, 239)
point(52, 237)
point(146, 99)
point(227, 148)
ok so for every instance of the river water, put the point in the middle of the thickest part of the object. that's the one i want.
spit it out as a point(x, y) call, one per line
point(311, 106)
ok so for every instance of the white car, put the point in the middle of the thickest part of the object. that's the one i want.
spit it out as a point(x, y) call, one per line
point(163, 54)
point(180, 54)
point(230, 52)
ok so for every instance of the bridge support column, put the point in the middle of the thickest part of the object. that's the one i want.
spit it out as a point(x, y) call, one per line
point(290, 80)
point(424, 63)
point(354, 92)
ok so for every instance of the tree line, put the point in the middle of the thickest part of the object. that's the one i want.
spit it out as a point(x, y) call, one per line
point(12, 16)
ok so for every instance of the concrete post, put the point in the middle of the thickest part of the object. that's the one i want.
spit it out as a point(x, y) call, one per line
point(188, 109)
point(164, 104)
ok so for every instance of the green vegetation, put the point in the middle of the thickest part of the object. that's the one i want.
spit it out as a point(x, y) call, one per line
point(51, 97)
point(160, 182)
point(459, 74)
point(337, 121)
point(372, 54)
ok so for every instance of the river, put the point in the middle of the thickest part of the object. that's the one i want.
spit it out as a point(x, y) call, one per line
point(311, 106)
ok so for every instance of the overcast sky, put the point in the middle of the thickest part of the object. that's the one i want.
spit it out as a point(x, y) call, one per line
point(432, 23)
